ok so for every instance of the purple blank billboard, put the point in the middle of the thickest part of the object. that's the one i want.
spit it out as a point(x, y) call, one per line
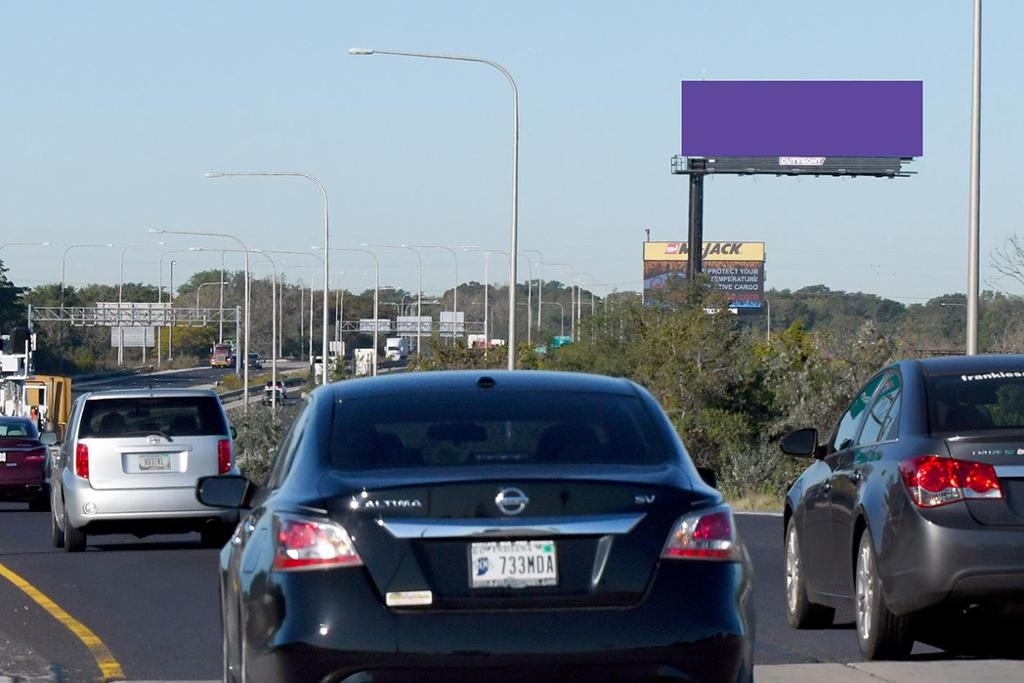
point(803, 118)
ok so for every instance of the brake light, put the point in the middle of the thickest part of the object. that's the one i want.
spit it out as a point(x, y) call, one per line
point(933, 481)
point(35, 456)
point(82, 460)
point(223, 456)
point(305, 543)
point(707, 535)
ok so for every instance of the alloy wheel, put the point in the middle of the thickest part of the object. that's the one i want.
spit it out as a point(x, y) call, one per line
point(792, 570)
point(865, 591)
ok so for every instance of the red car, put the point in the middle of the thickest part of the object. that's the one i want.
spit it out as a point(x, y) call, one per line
point(22, 462)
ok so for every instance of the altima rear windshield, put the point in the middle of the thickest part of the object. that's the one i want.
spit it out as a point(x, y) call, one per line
point(976, 401)
point(499, 428)
point(169, 415)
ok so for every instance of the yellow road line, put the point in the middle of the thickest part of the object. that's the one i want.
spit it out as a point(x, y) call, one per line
point(109, 667)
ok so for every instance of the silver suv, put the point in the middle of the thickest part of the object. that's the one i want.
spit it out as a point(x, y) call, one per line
point(130, 461)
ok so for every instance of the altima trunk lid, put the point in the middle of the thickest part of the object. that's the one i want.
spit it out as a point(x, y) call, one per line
point(513, 542)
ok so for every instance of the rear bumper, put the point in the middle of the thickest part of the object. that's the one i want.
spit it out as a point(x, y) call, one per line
point(23, 491)
point(951, 560)
point(695, 624)
point(112, 509)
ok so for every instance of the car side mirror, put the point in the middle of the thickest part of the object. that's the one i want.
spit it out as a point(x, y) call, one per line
point(225, 491)
point(709, 476)
point(801, 443)
point(234, 432)
point(48, 438)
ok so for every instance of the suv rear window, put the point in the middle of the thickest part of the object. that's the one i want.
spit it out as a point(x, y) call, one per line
point(168, 415)
point(506, 428)
point(976, 402)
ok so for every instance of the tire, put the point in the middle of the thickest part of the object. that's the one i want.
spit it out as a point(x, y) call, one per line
point(75, 540)
point(215, 535)
point(880, 633)
point(800, 611)
point(56, 533)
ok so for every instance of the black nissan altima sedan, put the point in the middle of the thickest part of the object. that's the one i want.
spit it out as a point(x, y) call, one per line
point(912, 515)
point(483, 526)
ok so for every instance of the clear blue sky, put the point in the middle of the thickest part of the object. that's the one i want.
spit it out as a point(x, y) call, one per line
point(112, 111)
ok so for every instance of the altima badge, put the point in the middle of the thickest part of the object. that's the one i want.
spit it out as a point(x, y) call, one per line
point(511, 501)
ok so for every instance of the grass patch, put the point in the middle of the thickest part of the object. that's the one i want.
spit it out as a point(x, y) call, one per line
point(756, 502)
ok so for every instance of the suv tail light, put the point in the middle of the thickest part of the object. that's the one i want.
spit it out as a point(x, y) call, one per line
point(307, 543)
point(705, 535)
point(82, 460)
point(932, 480)
point(223, 456)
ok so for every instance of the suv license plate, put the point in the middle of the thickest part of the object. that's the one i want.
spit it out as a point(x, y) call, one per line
point(513, 564)
point(158, 462)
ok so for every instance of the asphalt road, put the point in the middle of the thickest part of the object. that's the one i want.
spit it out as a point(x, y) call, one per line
point(162, 380)
point(154, 602)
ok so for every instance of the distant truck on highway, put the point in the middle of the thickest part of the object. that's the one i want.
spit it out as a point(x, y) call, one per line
point(223, 356)
point(396, 348)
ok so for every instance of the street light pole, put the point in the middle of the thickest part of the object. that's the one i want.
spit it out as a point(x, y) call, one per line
point(201, 285)
point(120, 302)
point(540, 283)
point(376, 296)
point(170, 330)
point(572, 293)
point(974, 231)
point(323, 260)
point(326, 245)
point(419, 285)
point(245, 332)
point(274, 343)
point(561, 308)
point(455, 290)
point(514, 247)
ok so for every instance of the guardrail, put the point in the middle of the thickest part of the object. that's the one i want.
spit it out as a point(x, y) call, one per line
point(236, 395)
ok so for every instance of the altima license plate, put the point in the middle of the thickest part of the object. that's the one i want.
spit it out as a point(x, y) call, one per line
point(156, 462)
point(513, 564)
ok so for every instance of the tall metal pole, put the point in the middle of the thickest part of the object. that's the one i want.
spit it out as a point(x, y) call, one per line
point(170, 330)
point(376, 297)
point(220, 327)
point(695, 259)
point(245, 350)
point(326, 247)
point(455, 289)
point(974, 232)
point(514, 247)
point(540, 284)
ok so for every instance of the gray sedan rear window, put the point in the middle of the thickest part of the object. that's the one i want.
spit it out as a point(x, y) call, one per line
point(976, 402)
point(169, 415)
point(500, 428)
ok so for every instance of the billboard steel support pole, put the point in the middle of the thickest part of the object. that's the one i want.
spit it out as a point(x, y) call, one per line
point(975, 192)
point(695, 263)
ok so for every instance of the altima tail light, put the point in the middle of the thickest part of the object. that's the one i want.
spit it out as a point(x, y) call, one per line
point(932, 480)
point(308, 543)
point(82, 460)
point(223, 456)
point(705, 535)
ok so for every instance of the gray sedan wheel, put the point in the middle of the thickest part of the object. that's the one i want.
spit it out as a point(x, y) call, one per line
point(880, 633)
point(800, 611)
